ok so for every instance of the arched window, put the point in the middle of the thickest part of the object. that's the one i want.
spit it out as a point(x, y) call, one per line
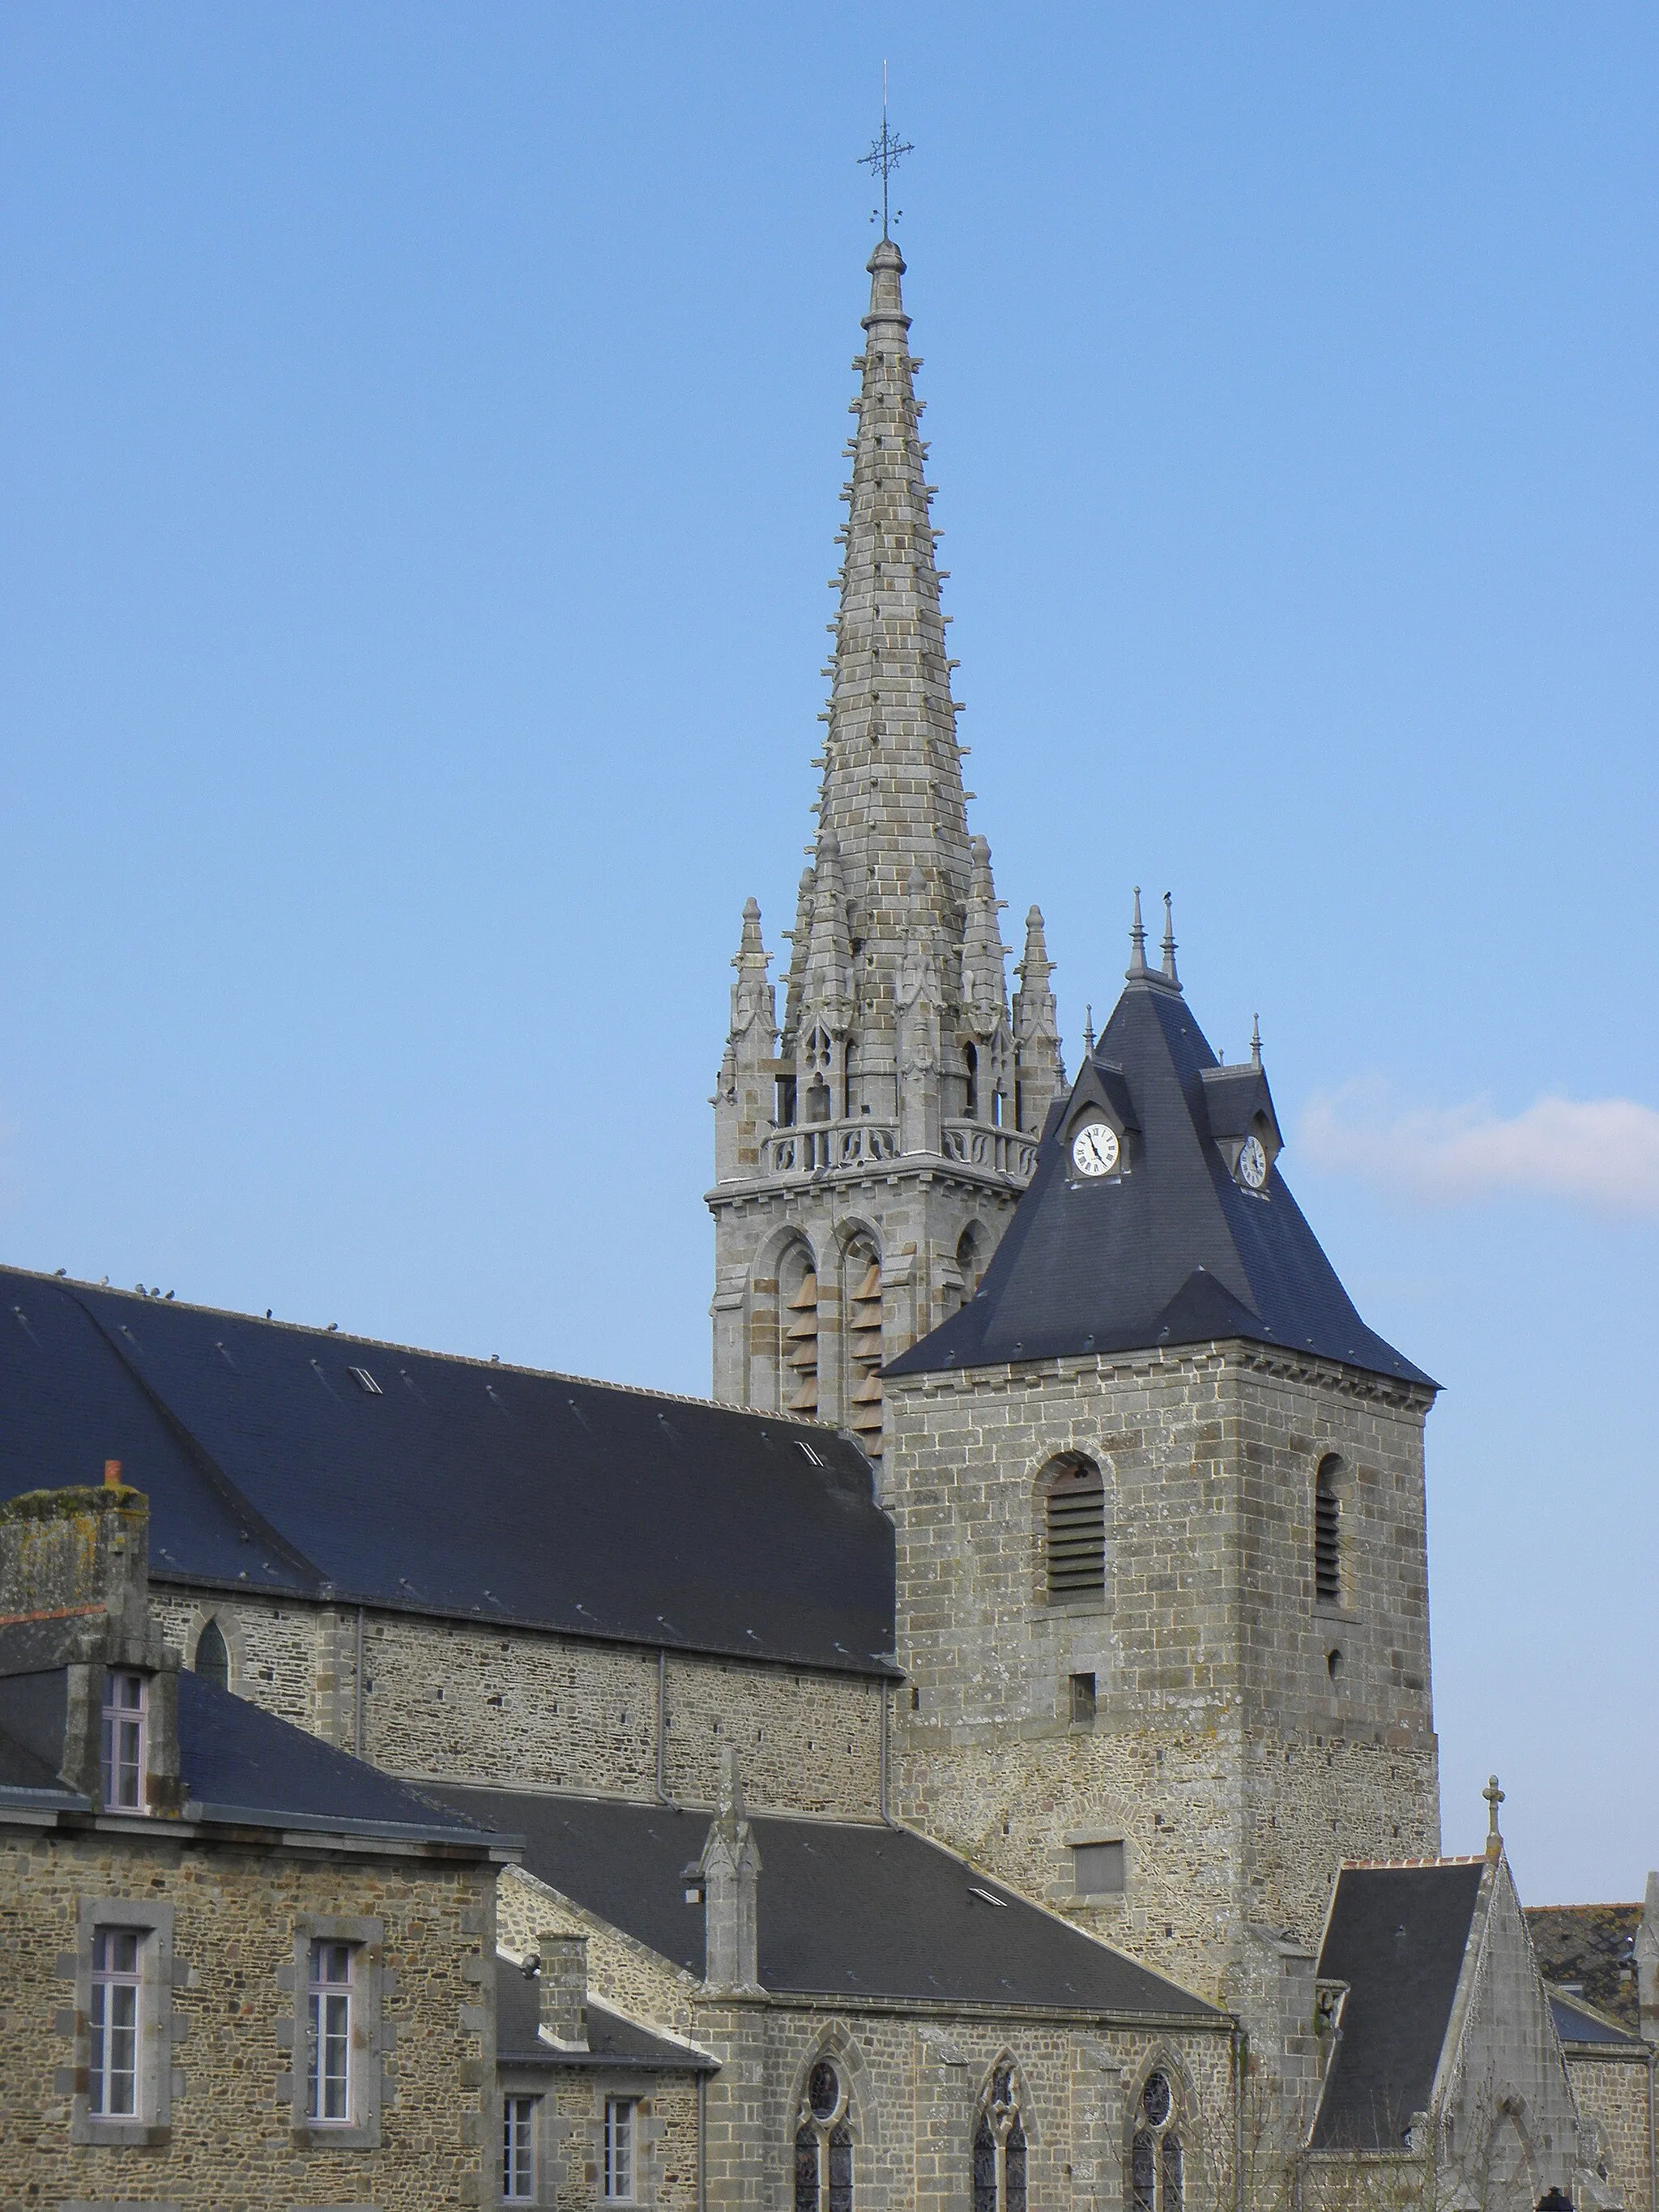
point(213, 1654)
point(1157, 2181)
point(1075, 1508)
point(1328, 1531)
point(970, 1261)
point(1000, 2148)
point(823, 2143)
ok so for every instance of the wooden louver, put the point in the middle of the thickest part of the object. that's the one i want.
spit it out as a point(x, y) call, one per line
point(1077, 1532)
point(863, 1390)
point(801, 1345)
point(1327, 1541)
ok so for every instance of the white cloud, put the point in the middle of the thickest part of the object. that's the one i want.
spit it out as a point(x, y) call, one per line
point(1602, 1152)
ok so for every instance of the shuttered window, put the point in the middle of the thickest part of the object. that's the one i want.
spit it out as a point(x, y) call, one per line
point(864, 1316)
point(1327, 1533)
point(1076, 1530)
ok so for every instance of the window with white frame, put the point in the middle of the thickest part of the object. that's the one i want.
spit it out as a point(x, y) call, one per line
point(519, 2149)
point(328, 2035)
point(620, 2114)
point(114, 2020)
point(125, 1730)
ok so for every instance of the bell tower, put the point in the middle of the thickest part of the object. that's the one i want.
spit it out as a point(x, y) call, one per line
point(870, 1146)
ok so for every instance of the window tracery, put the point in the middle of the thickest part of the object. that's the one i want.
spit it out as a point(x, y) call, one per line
point(823, 2143)
point(1000, 2147)
point(1157, 2164)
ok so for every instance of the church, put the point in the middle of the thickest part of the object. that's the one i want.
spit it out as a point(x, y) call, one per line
point(981, 1759)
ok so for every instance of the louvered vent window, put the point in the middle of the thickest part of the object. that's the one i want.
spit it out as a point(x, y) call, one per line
point(864, 1360)
point(1076, 1531)
point(1327, 1533)
point(800, 1347)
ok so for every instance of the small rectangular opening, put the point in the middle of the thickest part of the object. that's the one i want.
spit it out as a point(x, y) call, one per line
point(1098, 1870)
point(364, 1381)
point(1083, 1701)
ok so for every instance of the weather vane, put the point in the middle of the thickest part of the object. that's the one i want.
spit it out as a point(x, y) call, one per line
point(885, 153)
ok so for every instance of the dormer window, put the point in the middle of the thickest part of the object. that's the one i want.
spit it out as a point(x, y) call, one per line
point(126, 1731)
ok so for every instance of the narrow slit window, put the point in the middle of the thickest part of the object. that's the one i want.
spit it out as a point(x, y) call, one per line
point(1327, 1533)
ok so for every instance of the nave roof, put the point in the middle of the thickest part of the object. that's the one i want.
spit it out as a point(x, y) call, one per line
point(302, 1461)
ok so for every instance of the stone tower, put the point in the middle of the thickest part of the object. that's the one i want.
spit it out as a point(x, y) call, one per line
point(1163, 1577)
point(869, 1150)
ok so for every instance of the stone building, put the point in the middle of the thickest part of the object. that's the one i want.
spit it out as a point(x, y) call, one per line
point(241, 1967)
point(983, 1759)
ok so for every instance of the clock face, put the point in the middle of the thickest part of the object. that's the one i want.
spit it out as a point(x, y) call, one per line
point(1252, 1164)
point(1094, 1149)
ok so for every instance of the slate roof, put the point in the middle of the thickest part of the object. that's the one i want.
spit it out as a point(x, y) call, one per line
point(454, 1486)
point(1593, 1948)
point(845, 1909)
point(1173, 1251)
point(1577, 2022)
point(238, 1764)
point(1397, 1936)
point(612, 2041)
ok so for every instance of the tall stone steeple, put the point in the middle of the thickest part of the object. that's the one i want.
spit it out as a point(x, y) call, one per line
point(857, 1206)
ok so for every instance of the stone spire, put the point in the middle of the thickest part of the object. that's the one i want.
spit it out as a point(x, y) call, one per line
point(744, 1088)
point(892, 795)
point(866, 1168)
point(1040, 1070)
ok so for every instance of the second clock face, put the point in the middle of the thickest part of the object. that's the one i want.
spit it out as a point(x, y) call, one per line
point(1251, 1163)
point(1094, 1149)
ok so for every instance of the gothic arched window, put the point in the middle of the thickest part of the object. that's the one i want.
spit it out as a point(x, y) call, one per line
point(1157, 2179)
point(864, 1308)
point(1328, 1531)
point(823, 2143)
point(1074, 1500)
point(1000, 2147)
point(798, 1331)
point(213, 1654)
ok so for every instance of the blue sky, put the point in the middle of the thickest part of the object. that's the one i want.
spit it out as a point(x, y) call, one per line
point(421, 437)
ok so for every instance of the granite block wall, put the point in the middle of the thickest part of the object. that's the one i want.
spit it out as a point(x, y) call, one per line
point(230, 2138)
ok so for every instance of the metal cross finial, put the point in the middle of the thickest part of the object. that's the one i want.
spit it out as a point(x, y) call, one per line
point(1494, 1797)
point(885, 153)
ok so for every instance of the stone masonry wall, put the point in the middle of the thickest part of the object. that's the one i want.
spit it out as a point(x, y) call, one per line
point(666, 2139)
point(450, 1701)
point(915, 2085)
point(236, 1911)
point(1237, 1766)
point(1612, 2094)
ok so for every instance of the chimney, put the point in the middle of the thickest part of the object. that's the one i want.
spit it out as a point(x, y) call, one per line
point(1647, 1962)
point(75, 1595)
point(563, 1991)
point(77, 1558)
point(729, 1872)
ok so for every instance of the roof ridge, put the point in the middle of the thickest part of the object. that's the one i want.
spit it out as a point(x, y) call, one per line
point(336, 1336)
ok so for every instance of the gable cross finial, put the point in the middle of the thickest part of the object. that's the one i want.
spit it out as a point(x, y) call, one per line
point(1494, 1797)
point(885, 154)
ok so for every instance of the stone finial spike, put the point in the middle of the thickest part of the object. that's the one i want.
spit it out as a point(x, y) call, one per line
point(730, 1786)
point(1040, 1071)
point(1255, 1041)
point(1136, 942)
point(1088, 1028)
point(1168, 948)
point(1494, 1797)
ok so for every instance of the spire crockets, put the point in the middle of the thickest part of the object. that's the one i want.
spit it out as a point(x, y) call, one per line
point(1042, 1069)
point(892, 795)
